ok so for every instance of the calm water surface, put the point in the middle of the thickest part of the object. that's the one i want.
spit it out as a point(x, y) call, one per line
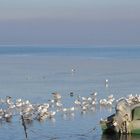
point(33, 73)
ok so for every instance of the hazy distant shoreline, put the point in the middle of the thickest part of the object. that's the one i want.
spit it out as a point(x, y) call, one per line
point(119, 52)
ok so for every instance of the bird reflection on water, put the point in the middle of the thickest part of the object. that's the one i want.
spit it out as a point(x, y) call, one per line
point(119, 137)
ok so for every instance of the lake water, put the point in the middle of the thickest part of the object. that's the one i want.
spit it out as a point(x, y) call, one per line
point(34, 72)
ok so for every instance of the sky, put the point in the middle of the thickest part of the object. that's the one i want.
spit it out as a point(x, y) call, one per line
point(100, 22)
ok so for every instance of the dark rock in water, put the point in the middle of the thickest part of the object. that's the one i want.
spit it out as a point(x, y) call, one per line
point(71, 94)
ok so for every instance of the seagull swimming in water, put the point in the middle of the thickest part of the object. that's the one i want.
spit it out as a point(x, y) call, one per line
point(106, 82)
point(56, 96)
point(73, 70)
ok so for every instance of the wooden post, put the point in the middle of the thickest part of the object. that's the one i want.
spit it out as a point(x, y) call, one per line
point(24, 126)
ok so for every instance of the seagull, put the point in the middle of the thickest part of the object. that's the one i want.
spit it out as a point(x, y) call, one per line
point(77, 102)
point(106, 82)
point(56, 96)
point(73, 70)
point(1, 113)
point(51, 114)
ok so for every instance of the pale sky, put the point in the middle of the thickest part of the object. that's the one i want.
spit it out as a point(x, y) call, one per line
point(70, 22)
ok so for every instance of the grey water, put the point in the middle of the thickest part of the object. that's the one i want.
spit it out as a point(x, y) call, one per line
point(34, 72)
